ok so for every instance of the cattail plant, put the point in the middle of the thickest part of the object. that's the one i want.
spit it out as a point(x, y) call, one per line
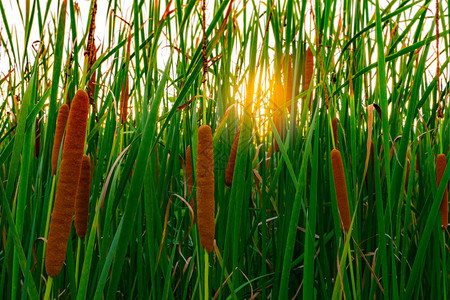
point(61, 121)
point(441, 164)
point(309, 70)
point(278, 106)
point(341, 189)
point(124, 101)
point(335, 124)
point(69, 173)
point(229, 171)
point(91, 53)
point(205, 187)
point(82, 198)
point(190, 179)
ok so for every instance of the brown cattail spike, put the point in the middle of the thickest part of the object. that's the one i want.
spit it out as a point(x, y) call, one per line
point(341, 189)
point(441, 164)
point(61, 121)
point(91, 52)
point(335, 123)
point(71, 161)
point(190, 179)
point(82, 199)
point(205, 187)
point(232, 159)
point(124, 102)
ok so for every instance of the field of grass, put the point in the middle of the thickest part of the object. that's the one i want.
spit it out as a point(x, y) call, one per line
point(337, 192)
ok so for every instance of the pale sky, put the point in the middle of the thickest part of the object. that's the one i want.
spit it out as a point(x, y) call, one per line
point(17, 28)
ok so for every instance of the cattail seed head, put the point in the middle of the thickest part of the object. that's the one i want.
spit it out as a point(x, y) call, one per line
point(205, 187)
point(124, 101)
point(335, 123)
point(82, 198)
point(61, 121)
point(69, 173)
point(441, 164)
point(341, 189)
point(232, 159)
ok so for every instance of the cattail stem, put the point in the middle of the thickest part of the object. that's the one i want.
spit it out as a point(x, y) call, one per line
point(70, 168)
point(48, 288)
point(206, 275)
point(341, 189)
point(205, 187)
point(441, 164)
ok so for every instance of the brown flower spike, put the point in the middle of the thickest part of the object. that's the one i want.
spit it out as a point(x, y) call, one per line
point(205, 187)
point(341, 189)
point(69, 173)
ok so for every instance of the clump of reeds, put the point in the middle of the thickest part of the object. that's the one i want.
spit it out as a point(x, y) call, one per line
point(71, 161)
point(341, 189)
point(61, 121)
point(205, 187)
point(82, 198)
point(441, 164)
point(229, 171)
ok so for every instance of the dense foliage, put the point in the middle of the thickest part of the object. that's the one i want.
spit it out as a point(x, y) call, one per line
point(296, 79)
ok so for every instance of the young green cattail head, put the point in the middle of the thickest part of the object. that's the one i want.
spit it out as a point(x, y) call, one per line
point(82, 198)
point(232, 159)
point(441, 164)
point(71, 161)
point(205, 187)
point(341, 189)
point(61, 121)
